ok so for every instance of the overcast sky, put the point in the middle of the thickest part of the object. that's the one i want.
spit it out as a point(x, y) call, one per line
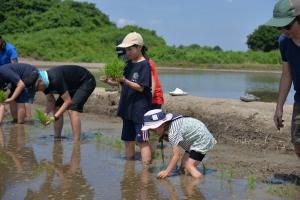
point(225, 23)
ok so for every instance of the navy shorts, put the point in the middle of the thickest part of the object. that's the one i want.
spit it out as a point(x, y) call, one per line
point(79, 96)
point(131, 131)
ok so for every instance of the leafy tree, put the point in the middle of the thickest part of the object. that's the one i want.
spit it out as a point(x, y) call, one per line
point(34, 15)
point(264, 38)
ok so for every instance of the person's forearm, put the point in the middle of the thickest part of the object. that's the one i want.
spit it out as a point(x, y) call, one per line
point(284, 86)
point(172, 163)
point(62, 109)
point(133, 85)
point(18, 90)
point(284, 89)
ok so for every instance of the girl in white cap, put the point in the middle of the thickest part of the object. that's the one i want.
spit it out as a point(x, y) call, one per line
point(186, 132)
point(135, 98)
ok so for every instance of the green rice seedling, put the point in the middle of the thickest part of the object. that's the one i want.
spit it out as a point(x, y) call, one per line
point(251, 182)
point(99, 137)
point(204, 168)
point(42, 117)
point(231, 173)
point(3, 96)
point(114, 69)
point(117, 143)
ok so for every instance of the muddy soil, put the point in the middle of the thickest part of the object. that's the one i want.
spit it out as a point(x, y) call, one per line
point(248, 141)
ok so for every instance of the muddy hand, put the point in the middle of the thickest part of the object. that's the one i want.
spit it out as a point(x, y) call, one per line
point(46, 123)
point(103, 79)
point(280, 123)
point(162, 174)
point(9, 100)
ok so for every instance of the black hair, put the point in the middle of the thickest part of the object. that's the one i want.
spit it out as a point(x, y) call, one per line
point(2, 44)
point(31, 79)
point(165, 135)
point(144, 51)
point(298, 19)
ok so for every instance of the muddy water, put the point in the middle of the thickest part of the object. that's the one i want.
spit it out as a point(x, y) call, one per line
point(34, 166)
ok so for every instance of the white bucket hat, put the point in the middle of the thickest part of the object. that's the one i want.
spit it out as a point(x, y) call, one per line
point(155, 118)
point(131, 39)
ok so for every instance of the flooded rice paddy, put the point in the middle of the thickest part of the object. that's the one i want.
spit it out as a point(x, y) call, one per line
point(224, 84)
point(34, 166)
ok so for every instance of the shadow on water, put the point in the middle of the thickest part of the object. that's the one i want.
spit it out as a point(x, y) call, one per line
point(35, 166)
point(284, 179)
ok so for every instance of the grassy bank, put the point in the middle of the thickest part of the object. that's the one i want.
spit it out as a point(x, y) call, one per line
point(98, 45)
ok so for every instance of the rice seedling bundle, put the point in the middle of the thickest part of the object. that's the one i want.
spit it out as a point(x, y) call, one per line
point(42, 117)
point(3, 96)
point(114, 70)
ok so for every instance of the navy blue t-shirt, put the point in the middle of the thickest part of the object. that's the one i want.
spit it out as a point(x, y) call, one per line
point(13, 73)
point(290, 53)
point(66, 78)
point(133, 104)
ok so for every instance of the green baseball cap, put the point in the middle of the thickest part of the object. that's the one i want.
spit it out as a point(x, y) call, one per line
point(285, 11)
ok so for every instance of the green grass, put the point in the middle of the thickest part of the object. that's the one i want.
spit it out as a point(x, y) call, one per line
point(41, 116)
point(3, 96)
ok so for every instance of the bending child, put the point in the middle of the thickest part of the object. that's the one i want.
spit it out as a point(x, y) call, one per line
point(186, 132)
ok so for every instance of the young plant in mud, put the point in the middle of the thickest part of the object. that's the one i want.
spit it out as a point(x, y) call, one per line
point(42, 117)
point(114, 70)
point(3, 96)
point(251, 182)
point(231, 173)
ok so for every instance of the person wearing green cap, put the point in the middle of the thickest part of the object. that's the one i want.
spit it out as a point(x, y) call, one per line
point(286, 17)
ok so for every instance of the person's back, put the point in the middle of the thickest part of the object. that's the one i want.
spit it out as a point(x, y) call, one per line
point(66, 77)
point(20, 69)
point(193, 132)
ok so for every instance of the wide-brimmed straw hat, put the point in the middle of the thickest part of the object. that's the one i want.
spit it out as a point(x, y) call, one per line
point(155, 118)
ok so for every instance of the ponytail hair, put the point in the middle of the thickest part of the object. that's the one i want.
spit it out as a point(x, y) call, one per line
point(144, 52)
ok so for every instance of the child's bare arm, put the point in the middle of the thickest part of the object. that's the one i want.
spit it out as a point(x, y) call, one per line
point(172, 164)
point(132, 85)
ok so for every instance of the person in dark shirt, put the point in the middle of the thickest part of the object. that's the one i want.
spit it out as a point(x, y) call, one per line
point(17, 75)
point(135, 99)
point(74, 85)
point(286, 18)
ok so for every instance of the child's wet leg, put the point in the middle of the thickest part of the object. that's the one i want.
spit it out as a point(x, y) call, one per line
point(145, 152)
point(129, 149)
point(191, 167)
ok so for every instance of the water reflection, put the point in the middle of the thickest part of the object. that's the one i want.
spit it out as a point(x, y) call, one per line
point(63, 181)
point(218, 84)
point(137, 185)
point(189, 187)
point(17, 161)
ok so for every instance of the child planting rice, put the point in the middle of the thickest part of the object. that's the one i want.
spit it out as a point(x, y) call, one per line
point(185, 132)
